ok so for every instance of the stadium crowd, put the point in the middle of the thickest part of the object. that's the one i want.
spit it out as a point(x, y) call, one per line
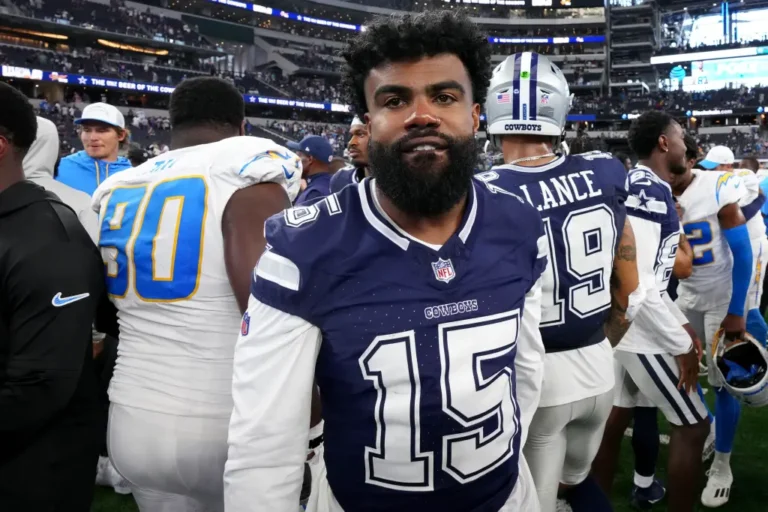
point(180, 310)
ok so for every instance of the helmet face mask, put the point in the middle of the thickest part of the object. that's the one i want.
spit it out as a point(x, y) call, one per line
point(528, 95)
point(743, 367)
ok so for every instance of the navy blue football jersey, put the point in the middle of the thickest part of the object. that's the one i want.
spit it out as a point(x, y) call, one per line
point(346, 176)
point(416, 365)
point(581, 200)
point(651, 199)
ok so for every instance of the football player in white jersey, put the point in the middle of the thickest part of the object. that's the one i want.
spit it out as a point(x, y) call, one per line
point(717, 294)
point(751, 202)
point(657, 360)
point(179, 237)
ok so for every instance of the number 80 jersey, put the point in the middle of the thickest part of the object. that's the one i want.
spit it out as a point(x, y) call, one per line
point(163, 252)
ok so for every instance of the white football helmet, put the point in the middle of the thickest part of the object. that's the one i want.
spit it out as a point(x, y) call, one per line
point(528, 95)
point(743, 367)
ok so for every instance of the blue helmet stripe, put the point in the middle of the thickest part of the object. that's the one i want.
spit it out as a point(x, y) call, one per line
point(532, 96)
point(515, 92)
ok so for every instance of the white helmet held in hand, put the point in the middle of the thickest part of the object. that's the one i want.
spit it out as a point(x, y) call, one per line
point(743, 367)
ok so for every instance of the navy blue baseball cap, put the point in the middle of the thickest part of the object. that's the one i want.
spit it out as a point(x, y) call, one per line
point(316, 146)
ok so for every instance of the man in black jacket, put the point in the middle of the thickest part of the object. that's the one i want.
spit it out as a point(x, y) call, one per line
point(51, 287)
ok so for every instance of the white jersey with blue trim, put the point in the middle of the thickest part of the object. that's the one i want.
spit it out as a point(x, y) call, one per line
point(707, 194)
point(651, 212)
point(751, 196)
point(163, 250)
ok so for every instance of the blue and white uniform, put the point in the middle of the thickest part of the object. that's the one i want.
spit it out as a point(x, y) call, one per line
point(645, 363)
point(420, 351)
point(346, 176)
point(163, 251)
point(581, 201)
point(705, 296)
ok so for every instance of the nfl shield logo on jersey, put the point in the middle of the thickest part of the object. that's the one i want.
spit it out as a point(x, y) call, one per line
point(246, 325)
point(443, 270)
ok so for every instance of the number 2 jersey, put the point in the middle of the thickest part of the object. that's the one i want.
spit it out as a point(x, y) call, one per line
point(163, 250)
point(710, 284)
point(581, 199)
point(417, 362)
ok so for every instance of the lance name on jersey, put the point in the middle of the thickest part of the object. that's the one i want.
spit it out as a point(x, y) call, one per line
point(581, 197)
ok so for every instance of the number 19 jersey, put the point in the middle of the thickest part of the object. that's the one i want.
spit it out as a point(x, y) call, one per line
point(581, 200)
point(163, 253)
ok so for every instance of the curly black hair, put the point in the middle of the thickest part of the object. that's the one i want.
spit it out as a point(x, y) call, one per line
point(206, 100)
point(18, 122)
point(645, 131)
point(411, 36)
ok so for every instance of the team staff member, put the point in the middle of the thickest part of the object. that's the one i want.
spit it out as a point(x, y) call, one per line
point(51, 280)
point(102, 132)
point(316, 156)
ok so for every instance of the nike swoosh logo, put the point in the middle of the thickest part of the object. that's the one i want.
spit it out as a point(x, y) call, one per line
point(288, 175)
point(59, 301)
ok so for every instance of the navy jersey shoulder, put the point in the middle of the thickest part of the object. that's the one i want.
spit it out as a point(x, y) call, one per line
point(317, 186)
point(396, 316)
point(651, 199)
point(581, 199)
point(344, 177)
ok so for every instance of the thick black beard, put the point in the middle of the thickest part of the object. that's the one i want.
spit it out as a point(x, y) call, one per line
point(423, 189)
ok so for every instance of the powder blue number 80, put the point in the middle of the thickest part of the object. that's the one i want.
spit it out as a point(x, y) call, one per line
point(152, 239)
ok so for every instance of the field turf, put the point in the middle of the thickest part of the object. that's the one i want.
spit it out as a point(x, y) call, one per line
point(749, 463)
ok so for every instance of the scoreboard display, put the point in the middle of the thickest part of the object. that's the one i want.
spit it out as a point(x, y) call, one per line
point(544, 4)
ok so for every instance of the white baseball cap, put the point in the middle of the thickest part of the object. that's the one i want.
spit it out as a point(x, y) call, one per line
point(718, 155)
point(102, 113)
point(356, 121)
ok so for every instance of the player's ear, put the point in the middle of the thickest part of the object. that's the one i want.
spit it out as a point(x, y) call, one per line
point(475, 117)
point(242, 128)
point(367, 120)
point(663, 143)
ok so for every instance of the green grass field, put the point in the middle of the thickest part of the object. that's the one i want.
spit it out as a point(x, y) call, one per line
point(749, 463)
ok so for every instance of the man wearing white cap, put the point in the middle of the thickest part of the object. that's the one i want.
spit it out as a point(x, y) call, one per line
point(719, 158)
point(358, 153)
point(102, 130)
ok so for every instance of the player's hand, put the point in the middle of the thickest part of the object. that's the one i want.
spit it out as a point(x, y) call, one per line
point(679, 210)
point(695, 340)
point(734, 326)
point(98, 348)
point(689, 370)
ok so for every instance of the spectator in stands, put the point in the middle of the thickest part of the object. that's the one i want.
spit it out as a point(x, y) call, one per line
point(137, 155)
point(52, 279)
point(38, 168)
point(316, 156)
point(102, 131)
